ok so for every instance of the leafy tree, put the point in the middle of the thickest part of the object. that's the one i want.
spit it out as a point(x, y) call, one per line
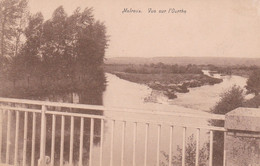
point(55, 51)
point(11, 13)
point(54, 43)
point(27, 62)
point(74, 44)
point(22, 23)
point(33, 34)
point(92, 45)
point(58, 50)
point(16, 70)
point(253, 82)
point(230, 100)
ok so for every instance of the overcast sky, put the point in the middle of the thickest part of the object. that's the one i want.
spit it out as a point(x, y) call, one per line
point(226, 28)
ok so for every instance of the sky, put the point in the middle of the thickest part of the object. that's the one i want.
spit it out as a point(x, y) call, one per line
point(209, 28)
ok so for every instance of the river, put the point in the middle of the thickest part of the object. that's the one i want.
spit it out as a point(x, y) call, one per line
point(125, 94)
point(205, 97)
point(122, 93)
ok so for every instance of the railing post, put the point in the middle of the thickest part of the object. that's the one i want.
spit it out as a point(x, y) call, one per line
point(41, 161)
point(242, 139)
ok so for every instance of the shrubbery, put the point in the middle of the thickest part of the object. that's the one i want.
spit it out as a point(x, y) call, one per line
point(190, 155)
point(253, 82)
point(163, 68)
point(229, 100)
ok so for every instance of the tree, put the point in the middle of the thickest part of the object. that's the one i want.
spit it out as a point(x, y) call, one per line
point(29, 56)
point(19, 32)
point(11, 13)
point(60, 49)
point(253, 82)
point(77, 42)
point(54, 43)
point(230, 100)
point(92, 45)
point(33, 34)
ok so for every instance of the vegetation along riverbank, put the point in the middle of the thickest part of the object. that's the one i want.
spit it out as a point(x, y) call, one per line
point(239, 70)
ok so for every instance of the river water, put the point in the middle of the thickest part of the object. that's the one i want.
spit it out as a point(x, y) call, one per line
point(205, 97)
point(122, 93)
point(125, 94)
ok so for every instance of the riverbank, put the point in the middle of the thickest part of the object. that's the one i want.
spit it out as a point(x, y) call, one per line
point(243, 71)
point(169, 84)
point(35, 87)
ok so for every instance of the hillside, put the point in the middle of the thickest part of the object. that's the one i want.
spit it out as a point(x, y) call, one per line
point(186, 60)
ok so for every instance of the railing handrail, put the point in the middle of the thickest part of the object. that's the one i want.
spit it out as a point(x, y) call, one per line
point(125, 119)
point(113, 109)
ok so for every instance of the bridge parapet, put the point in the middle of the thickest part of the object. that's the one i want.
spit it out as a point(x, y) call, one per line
point(242, 141)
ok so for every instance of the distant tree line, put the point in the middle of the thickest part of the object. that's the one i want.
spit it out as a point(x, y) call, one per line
point(159, 68)
point(64, 47)
point(236, 69)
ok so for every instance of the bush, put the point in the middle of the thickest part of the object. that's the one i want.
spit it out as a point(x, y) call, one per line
point(190, 155)
point(252, 103)
point(253, 82)
point(130, 70)
point(230, 100)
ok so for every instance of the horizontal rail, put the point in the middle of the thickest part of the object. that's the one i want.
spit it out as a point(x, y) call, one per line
point(20, 109)
point(103, 108)
point(134, 120)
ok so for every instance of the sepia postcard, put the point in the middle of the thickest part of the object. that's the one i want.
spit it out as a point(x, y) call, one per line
point(129, 83)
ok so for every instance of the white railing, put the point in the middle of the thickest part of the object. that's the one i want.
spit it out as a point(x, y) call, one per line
point(38, 120)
